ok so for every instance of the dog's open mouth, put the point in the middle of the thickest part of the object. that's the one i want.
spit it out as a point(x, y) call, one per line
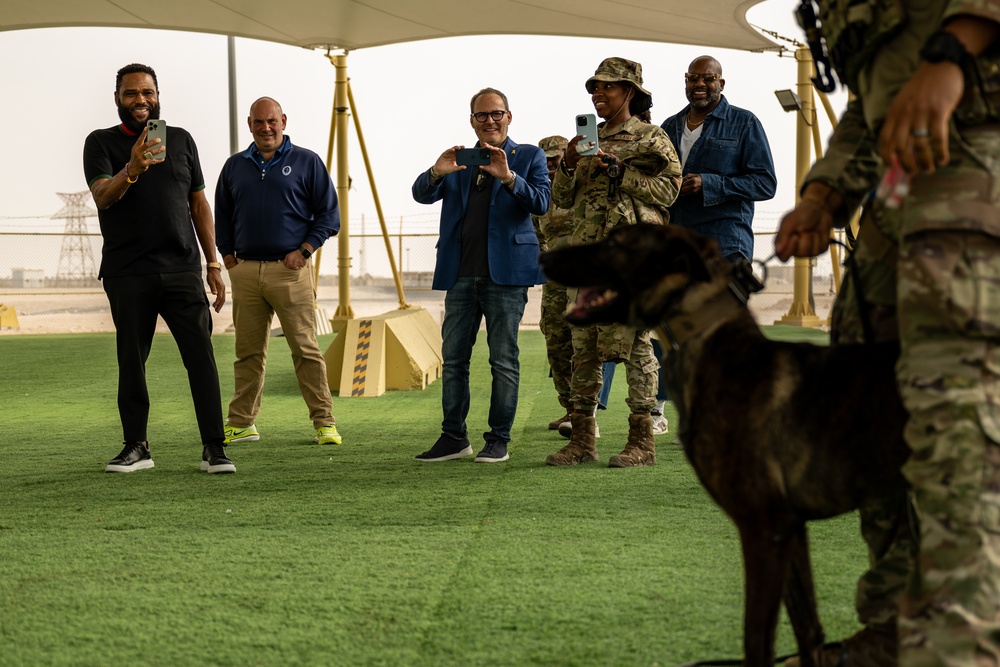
point(593, 305)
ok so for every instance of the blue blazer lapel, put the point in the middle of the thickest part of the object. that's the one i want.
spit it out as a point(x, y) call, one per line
point(511, 158)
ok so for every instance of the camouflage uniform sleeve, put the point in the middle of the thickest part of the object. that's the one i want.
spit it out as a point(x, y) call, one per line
point(653, 176)
point(851, 165)
point(563, 189)
point(536, 221)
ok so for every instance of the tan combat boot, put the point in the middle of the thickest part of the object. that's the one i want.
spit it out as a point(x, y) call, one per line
point(640, 450)
point(581, 447)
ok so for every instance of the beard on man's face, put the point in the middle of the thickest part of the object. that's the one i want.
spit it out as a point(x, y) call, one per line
point(711, 98)
point(129, 121)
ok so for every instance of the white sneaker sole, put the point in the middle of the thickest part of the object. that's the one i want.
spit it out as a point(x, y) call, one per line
point(246, 438)
point(211, 470)
point(448, 457)
point(484, 459)
point(139, 465)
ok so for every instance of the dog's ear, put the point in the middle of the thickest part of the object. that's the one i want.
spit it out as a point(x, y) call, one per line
point(688, 255)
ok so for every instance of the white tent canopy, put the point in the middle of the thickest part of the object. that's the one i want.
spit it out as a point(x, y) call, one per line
point(355, 24)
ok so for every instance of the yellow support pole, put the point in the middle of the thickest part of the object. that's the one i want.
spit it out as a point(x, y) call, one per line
point(801, 312)
point(341, 110)
point(818, 151)
point(369, 355)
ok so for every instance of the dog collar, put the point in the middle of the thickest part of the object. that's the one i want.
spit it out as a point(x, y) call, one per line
point(678, 330)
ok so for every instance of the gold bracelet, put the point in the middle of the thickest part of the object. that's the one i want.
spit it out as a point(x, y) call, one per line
point(127, 179)
point(214, 265)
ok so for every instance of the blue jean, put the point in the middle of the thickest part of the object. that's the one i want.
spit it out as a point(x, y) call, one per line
point(661, 390)
point(465, 305)
point(607, 376)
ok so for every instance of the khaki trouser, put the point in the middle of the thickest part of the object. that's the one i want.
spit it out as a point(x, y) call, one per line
point(261, 290)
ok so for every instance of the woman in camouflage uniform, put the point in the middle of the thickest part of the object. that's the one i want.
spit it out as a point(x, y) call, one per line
point(633, 178)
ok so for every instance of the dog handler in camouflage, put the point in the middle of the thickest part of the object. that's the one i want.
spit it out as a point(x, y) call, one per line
point(634, 177)
point(925, 129)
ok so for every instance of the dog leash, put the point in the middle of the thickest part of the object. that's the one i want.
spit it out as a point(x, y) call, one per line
point(864, 311)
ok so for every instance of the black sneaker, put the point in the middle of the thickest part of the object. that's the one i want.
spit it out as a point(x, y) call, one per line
point(214, 459)
point(495, 451)
point(134, 456)
point(446, 448)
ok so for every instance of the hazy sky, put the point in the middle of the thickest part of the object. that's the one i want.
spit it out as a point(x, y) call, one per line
point(412, 100)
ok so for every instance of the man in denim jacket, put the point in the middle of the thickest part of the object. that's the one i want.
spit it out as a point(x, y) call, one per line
point(726, 161)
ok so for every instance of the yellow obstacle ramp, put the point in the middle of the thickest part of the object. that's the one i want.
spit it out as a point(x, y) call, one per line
point(8, 317)
point(398, 350)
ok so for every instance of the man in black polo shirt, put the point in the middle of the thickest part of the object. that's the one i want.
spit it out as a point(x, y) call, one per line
point(154, 215)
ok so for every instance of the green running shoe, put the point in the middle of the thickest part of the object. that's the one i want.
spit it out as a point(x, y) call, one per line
point(237, 434)
point(327, 435)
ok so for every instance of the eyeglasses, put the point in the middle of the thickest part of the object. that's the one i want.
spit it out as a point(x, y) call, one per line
point(707, 78)
point(496, 114)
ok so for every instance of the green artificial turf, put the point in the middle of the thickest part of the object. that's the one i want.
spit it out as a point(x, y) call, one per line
point(355, 554)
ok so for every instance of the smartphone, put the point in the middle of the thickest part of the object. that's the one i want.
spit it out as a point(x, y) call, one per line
point(470, 157)
point(586, 125)
point(157, 129)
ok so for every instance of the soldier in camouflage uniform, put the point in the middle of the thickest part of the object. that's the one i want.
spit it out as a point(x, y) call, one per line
point(924, 128)
point(634, 177)
point(555, 230)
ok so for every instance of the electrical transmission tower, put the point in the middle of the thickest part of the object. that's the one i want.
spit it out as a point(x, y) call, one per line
point(76, 260)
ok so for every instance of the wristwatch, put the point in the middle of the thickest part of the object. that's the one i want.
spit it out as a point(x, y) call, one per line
point(944, 46)
point(305, 251)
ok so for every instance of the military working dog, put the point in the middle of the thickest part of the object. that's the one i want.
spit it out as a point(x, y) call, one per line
point(779, 433)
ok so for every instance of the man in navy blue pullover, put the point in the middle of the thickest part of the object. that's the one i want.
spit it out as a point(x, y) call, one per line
point(274, 206)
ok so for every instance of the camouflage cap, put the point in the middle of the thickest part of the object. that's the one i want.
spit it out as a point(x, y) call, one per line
point(619, 69)
point(553, 145)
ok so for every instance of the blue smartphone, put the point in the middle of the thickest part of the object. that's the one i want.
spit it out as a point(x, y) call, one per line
point(586, 125)
point(471, 157)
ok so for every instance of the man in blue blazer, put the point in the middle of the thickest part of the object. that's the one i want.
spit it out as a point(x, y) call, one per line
point(487, 257)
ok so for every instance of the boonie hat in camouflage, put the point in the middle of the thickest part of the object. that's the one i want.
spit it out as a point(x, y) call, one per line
point(619, 69)
point(553, 145)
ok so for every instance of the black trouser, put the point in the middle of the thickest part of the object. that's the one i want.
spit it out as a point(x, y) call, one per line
point(180, 299)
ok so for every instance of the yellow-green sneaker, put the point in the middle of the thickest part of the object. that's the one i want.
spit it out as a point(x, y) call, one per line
point(237, 434)
point(327, 435)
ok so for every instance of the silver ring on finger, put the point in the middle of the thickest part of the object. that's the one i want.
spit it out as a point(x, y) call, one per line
point(921, 133)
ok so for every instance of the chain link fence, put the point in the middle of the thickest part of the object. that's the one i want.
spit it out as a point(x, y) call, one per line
point(48, 280)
